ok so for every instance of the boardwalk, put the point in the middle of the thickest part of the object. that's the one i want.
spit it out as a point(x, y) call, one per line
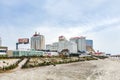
point(20, 64)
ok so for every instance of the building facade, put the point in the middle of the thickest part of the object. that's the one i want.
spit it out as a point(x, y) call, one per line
point(81, 43)
point(75, 39)
point(72, 46)
point(20, 53)
point(63, 44)
point(37, 42)
point(55, 46)
point(3, 50)
point(89, 43)
point(49, 47)
point(89, 46)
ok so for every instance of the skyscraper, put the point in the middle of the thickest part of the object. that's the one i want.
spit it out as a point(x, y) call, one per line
point(89, 46)
point(89, 43)
point(81, 43)
point(37, 41)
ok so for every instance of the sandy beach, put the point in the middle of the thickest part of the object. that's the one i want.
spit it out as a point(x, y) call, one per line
point(107, 69)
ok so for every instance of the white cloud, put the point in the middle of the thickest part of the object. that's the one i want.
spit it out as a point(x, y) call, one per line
point(70, 9)
point(108, 40)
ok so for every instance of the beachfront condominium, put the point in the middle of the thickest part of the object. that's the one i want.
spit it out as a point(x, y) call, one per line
point(37, 42)
point(63, 44)
point(81, 43)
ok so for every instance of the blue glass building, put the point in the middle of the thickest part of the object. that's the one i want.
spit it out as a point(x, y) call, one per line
point(89, 43)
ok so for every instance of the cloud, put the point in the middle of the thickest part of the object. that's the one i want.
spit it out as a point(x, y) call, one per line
point(107, 40)
point(100, 25)
point(70, 9)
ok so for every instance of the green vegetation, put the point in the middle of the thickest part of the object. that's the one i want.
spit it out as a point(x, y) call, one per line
point(10, 67)
point(46, 61)
point(101, 57)
point(3, 56)
point(87, 58)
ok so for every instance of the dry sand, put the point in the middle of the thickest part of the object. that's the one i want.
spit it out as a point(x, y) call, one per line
point(88, 70)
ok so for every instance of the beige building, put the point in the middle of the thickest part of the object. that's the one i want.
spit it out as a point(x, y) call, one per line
point(10, 53)
point(37, 41)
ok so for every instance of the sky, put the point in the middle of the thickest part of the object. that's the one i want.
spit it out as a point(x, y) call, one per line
point(98, 20)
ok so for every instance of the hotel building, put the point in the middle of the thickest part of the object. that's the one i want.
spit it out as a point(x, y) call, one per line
point(37, 42)
point(81, 43)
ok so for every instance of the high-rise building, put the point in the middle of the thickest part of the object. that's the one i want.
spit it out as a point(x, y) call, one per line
point(81, 43)
point(0, 42)
point(89, 46)
point(71, 46)
point(55, 45)
point(37, 41)
point(62, 38)
point(89, 43)
point(75, 39)
point(62, 45)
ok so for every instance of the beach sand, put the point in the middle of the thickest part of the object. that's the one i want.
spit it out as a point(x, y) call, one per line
point(87, 70)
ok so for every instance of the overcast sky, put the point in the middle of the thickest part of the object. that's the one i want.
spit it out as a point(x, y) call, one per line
point(98, 20)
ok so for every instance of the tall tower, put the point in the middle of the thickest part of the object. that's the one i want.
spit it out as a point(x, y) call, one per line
point(37, 41)
point(81, 43)
point(89, 43)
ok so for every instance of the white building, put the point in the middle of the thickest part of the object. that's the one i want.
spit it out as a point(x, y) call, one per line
point(37, 42)
point(75, 39)
point(71, 46)
point(63, 44)
point(81, 43)
point(49, 47)
point(55, 45)
point(51, 54)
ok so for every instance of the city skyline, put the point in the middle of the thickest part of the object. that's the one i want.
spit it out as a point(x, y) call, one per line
point(98, 20)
